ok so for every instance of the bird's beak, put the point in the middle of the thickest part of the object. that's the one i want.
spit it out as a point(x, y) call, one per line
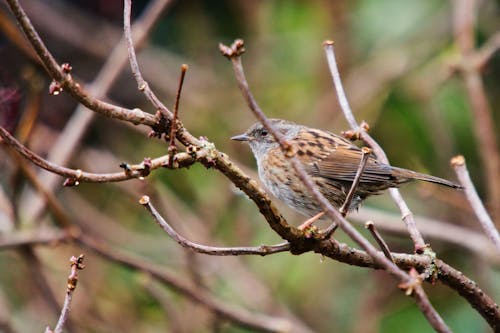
point(241, 137)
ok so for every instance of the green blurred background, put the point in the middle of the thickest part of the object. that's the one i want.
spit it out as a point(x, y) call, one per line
point(395, 59)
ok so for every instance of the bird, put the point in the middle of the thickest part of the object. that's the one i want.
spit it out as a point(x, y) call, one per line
point(330, 160)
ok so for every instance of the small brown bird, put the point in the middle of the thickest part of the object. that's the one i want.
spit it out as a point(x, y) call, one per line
point(330, 160)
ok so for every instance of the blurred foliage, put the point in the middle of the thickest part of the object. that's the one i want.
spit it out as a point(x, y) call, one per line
point(394, 58)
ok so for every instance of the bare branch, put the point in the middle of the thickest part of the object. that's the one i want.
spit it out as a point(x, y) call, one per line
point(365, 153)
point(142, 85)
point(406, 214)
point(130, 171)
point(458, 163)
point(172, 149)
point(262, 250)
point(339, 88)
point(380, 241)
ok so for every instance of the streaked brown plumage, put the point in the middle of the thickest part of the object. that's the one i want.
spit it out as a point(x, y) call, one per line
point(329, 159)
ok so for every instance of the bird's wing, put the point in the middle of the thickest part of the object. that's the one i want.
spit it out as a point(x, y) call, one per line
point(342, 164)
point(333, 157)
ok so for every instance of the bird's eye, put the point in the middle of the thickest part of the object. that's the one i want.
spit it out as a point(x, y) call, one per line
point(264, 132)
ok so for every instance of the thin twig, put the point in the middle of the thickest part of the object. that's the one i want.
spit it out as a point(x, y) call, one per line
point(142, 84)
point(234, 54)
point(406, 214)
point(130, 171)
point(262, 250)
point(458, 163)
point(365, 154)
point(76, 265)
point(339, 88)
point(172, 149)
point(380, 241)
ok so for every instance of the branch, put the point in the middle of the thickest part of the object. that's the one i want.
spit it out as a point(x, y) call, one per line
point(365, 153)
point(458, 163)
point(130, 171)
point(262, 250)
point(380, 241)
point(141, 83)
point(172, 149)
point(407, 215)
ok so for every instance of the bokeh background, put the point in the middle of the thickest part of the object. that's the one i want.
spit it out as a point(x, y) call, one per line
point(396, 59)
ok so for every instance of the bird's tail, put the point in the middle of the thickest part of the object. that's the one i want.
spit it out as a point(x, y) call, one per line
point(407, 175)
